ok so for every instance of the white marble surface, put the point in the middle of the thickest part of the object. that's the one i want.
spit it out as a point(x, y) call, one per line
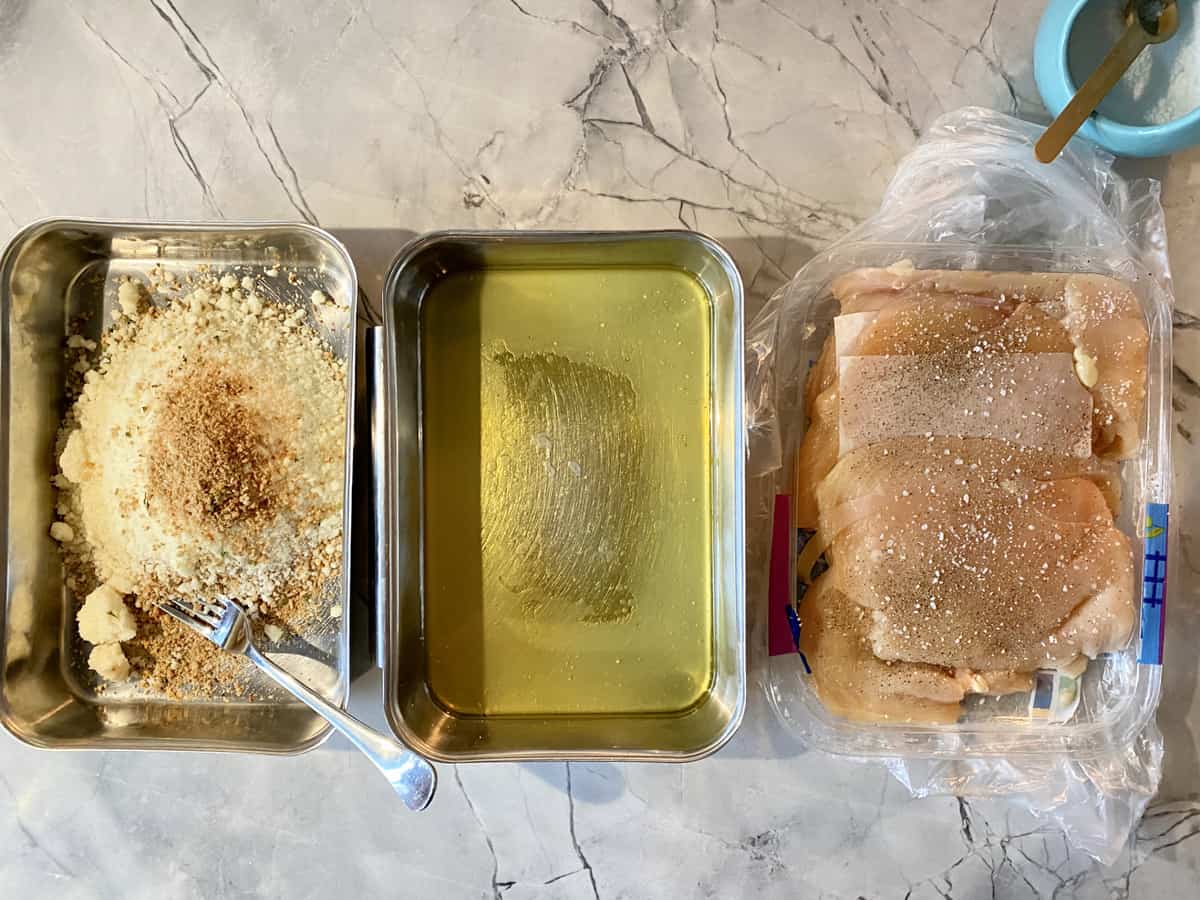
point(771, 125)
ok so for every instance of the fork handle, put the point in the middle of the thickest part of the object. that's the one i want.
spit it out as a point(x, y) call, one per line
point(411, 776)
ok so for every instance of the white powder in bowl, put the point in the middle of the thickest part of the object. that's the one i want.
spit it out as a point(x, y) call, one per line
point(1164, 81)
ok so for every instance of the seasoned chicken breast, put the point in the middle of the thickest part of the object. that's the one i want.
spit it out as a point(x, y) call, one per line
point(903, 311)
point(854, 683)
point(959, 473)
point(977, 554)
point(1101, 316)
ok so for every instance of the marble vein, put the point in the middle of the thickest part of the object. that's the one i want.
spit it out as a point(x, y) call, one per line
point(174, 111)
point(480, 189)
point(200, 55)
point(497, 886)
point(554, 20)
point(583, 860)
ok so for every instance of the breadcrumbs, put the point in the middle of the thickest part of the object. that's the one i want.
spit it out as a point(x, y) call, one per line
point(203, 456)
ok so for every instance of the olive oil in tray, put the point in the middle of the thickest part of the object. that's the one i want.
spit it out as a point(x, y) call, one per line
point(568, 496)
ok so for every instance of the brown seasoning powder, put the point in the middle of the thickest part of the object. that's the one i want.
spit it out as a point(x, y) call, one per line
point(210, 459)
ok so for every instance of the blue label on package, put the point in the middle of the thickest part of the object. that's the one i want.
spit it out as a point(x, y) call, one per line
point(1154, 585)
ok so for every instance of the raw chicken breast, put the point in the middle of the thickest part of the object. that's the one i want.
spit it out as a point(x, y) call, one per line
point(974, 553)
point(1110, 335)
point(1029, 330)
point(1031, 399)
point(924, 325)
point(945, 324)
point(1104, 320)
point(886, 471)
point(903, 311)
point(915, 327)
point(852, 682)
point(910, 328)
point(903, 279)
point(959, 473)
point(818, 454)
point(821, 377)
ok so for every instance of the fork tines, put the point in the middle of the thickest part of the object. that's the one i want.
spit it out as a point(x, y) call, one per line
point(196, 613)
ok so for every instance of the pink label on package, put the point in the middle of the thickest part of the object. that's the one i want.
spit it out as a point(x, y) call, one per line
point(780, 639)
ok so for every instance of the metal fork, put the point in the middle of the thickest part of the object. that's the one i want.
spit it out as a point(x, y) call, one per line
point(225, 623)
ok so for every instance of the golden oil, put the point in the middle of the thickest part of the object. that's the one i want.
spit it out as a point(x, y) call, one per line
point(568, 523)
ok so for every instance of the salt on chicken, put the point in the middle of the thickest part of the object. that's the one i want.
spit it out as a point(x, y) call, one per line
point(901, 311)
point(856, 684)
point(959, 469)
point(1101, 315)
point(977, 556)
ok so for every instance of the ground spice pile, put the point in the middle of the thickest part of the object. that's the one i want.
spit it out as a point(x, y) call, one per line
point(211, 461)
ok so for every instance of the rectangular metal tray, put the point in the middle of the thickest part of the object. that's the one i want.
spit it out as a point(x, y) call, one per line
point(450, 730)
point(51, 273)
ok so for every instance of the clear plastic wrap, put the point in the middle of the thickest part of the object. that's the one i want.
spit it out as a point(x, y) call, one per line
point(971, 196)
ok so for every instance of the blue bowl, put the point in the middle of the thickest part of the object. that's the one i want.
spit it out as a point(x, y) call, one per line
point(1051, 70)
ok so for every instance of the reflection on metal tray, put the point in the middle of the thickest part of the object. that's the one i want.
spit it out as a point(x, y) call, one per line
point(52, 273)
point(561, 475)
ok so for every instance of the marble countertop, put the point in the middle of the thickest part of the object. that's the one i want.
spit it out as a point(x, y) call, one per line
point(772, 126)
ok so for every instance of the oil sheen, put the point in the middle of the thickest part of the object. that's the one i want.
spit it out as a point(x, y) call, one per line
point(568, 511)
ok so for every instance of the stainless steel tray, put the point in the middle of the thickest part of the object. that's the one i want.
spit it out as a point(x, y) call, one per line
point(52, 272)
point(451, 731)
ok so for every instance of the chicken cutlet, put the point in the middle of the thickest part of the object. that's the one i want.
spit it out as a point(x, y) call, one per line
point(904, 311)
point(959, 472)
point(976, 557)
point(854, 683)
point(1101, 315)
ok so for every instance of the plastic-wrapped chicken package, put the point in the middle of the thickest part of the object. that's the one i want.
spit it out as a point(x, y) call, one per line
point(964, 407)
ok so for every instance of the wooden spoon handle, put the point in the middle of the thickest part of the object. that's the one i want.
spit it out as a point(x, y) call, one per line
point(1132, 42)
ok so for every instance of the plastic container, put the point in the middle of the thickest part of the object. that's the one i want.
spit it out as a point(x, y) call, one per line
point(1117, 694)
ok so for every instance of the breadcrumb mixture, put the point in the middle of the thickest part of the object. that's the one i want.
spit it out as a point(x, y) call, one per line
point(203, 456)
